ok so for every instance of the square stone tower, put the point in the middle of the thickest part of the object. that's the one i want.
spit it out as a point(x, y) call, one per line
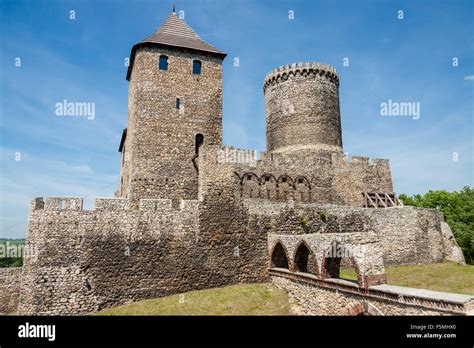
point(174, 106)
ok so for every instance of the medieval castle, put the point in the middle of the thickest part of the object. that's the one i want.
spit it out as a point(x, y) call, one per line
point(191, 213)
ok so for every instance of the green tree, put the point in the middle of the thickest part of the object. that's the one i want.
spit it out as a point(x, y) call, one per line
point(458, 210)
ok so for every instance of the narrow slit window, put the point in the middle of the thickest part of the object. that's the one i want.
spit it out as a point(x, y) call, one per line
point(197, 67)
point(163, 64)
point(178, 103)
point(199, 141)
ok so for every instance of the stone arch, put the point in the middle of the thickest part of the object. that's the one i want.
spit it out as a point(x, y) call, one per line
point(268, 184)
point(238, 177)
point(285, 188)
point(304, 259)
point(331, 264)
point(279, 256)
point(302, 189)
point(250, 185)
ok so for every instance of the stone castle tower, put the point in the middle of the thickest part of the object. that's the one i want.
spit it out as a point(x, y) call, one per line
point(174, 106)
point(302, 108)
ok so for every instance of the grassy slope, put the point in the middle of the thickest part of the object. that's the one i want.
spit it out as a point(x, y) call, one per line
point(447, 277)
point(241, 299)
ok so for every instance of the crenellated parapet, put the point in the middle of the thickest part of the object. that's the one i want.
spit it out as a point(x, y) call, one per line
point(230, 154)
point(74, 204)
point(360, 160)
point(304, 69)
point(57, 203)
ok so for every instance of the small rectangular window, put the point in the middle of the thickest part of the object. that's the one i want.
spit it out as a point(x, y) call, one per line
point(163, 63)
point(196, 67)
point(178, 103)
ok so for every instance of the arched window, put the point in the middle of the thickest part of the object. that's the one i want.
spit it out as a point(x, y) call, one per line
point(163, 65)
point(332, 261)
point(302, 258)
point(197, 67)
point(199, 142)
point(279, 258)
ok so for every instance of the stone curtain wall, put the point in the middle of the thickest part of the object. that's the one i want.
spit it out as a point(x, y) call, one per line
point(340, 298)
point(315, 176)
point(9, 289)
point(307, 176)
point(353, 176)
point(120, 252)
point(407, 235)
point(161, 138)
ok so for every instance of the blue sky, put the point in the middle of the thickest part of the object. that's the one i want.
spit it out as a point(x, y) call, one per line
point(82, 60)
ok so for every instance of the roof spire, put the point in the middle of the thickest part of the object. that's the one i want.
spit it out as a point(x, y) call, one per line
point(174, 8)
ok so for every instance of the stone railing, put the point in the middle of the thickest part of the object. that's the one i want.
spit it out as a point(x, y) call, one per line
point(431, 300)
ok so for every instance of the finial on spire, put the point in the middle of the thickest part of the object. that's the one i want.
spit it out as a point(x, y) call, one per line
point(174, 8)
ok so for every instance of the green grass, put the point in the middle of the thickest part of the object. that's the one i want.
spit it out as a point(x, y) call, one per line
point(241, 299)
point(348, 273)
point(447, 277)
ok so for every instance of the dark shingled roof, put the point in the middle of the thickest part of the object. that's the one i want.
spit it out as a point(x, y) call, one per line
point(174, 32)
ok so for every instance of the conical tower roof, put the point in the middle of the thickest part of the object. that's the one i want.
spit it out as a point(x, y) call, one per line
point(174, 32)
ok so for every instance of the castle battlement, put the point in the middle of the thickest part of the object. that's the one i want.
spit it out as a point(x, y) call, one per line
point(361, 160)
point(111, 204)
point(56, 203)
point(302, 68)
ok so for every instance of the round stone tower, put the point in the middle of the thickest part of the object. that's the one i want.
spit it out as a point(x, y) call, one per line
point(302, 108)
